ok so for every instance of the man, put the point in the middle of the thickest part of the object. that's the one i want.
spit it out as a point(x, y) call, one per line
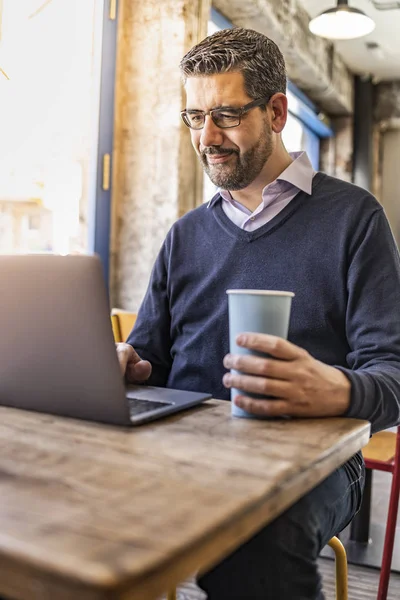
point(275, 224)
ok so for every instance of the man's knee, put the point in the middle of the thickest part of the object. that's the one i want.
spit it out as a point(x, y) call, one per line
point(280, 561)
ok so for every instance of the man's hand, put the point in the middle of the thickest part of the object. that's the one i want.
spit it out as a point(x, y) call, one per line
point(302, 385)
point(132, 366)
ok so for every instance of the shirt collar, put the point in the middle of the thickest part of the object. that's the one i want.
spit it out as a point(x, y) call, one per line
point(299, 173)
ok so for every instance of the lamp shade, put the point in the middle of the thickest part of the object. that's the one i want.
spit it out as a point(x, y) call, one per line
point(342, 23)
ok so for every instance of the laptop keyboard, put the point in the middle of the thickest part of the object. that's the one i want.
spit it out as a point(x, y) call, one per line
point(138, 407)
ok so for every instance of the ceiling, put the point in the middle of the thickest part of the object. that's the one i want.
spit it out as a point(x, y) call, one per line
point(382, 63)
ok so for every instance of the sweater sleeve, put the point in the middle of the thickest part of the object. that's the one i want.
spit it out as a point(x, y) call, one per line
point(150, 336)
point(373, 326)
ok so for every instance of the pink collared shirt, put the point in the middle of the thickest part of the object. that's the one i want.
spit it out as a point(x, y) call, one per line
point(275, 196)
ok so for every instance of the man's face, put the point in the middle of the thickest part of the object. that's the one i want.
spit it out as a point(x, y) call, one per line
point(232, 158)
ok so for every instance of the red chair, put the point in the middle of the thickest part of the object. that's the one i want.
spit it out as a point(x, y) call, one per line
point(383, 453)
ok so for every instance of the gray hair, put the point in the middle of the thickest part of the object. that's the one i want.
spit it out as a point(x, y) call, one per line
point(242, 51)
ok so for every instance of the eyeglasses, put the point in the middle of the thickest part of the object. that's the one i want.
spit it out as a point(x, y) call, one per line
point(224, 118)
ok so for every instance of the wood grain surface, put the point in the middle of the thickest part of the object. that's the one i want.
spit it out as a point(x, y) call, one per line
point(94, 512)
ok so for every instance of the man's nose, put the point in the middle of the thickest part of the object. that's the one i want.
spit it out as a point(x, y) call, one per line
point(211, 135)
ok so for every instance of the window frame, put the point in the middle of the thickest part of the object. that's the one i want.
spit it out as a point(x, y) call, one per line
point(100, 195)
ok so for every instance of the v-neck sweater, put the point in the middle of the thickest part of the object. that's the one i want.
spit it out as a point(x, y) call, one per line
point(333, 249)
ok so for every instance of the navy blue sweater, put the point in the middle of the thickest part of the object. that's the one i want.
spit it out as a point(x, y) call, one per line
point(333, 249)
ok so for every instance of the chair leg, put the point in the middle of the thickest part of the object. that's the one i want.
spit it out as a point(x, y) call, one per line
point(341, 568)
point(389, 537)
point(171, 595)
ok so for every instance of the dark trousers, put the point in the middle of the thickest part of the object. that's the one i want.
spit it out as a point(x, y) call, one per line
point(280, 562)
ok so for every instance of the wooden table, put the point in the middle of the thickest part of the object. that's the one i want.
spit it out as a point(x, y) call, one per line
point(95, 512)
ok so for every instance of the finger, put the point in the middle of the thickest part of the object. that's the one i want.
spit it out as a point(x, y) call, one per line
point(133, 356)
point(254, 365)
point(264, 408)
point(258, 385)
point(123, 355)
point(127, 357)
point(270, 344)
point(138, 372)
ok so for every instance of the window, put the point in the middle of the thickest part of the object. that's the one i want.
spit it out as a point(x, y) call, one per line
point(304, 128)
point(297, 136)
point(49, 107)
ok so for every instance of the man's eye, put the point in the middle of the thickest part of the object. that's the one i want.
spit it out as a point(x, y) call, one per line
point(196, 118)
point(227, 116)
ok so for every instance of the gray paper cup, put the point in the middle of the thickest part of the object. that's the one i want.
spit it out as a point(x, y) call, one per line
point(259, 311)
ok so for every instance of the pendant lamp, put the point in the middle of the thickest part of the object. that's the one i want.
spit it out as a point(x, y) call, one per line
point(342, 23)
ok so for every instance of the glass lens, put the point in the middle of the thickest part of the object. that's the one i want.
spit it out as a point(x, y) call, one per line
point(225, 118)
point(193, 119)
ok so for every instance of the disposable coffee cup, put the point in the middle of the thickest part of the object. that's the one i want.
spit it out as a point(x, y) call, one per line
point(257, 311)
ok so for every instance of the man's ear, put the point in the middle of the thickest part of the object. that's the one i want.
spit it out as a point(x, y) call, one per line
point(279, 109)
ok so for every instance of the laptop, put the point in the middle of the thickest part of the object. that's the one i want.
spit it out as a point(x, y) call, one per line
point(57, 351)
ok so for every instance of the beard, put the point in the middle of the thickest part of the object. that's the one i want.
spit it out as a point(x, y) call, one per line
point(244, 168)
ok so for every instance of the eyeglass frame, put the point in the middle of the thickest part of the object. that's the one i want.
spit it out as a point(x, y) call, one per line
point(241, 111)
